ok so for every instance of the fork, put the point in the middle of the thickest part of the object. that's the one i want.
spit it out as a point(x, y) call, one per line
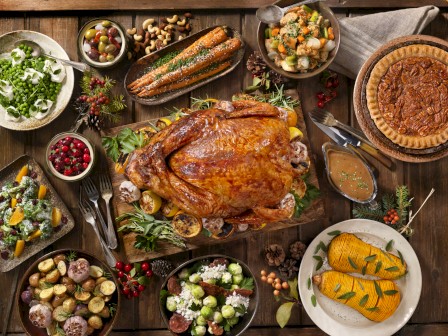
point(106, 194)
point(328, 119)
point(93, 195)
point(89, 216)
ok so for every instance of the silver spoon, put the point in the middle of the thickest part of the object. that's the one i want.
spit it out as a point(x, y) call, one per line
point(38, 51)
point(274, 13)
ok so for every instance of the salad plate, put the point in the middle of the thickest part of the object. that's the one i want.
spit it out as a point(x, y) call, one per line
point(50, 47)
point(337, 319)
point(8, 174)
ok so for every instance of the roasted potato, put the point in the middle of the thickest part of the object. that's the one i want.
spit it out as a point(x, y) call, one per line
point(34, 279)
point(108, 287)
point(59, 289)
point(82, 296)
point(104, 313)
point(96, 305)
point(100, 280)
point(69, 305)
point(46, 265)
point(88, 285)
point(62, 267)
point(59, 314)
point(95, 271)
point(53, 276)
point(95, 322)
point(46, 294)
point(58, 258)
point(58, 300)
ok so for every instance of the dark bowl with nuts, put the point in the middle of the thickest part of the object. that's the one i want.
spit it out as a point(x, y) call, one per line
point(102, 43)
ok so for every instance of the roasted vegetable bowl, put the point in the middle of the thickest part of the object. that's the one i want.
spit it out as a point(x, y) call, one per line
point(68, 293)
point(209, 295)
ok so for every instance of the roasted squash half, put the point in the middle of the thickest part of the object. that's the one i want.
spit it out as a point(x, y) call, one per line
point(377, 300)
point(349, 254)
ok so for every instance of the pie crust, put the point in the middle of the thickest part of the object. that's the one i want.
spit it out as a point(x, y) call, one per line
point(407, 96)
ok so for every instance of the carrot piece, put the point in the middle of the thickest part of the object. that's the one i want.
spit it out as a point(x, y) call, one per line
point(300, 38)
point(281, 48)
point(23, 171)
point(322, 41)
point(291, 42)
point(330, 33)
point(42, 192)
point(305, 30)
point(20, 246)
point(275, 31)
point(17, 216)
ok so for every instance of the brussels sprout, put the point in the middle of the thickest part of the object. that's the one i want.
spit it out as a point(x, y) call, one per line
point(184, 274)
point(217, 317)
point(194, 278)
point(211, 281)
point(226, 278)
point(171, 304)
point(210, 301)
point(227, 311)
point(233, 287)
point(201, 321)
point(235, 269)
point(197, 292)
point(207, 312)
point(236, 279)
point(233, 320)
point(200, 330)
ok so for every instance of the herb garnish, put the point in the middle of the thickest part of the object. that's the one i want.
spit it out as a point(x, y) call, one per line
point(124, 143)
point(352, 263)
point(346, 296)
point(363, 300)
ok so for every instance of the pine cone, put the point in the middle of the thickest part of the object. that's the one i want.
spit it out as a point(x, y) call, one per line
point(276, 78)
point(255, 64)
point(297, 250)
point(288, 268)
point(275, 255)
point(162, 267)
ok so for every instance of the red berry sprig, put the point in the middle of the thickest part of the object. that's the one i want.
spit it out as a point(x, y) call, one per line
point(391, 217)
point(330, 81)
point(133, 278)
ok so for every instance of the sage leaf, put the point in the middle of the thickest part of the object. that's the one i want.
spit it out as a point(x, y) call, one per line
point(370, 258)
point(389, 245)
point(363, 270)
point(387, 255)
point(390, 292)
point(360, 285)
point(401, 257)
point(318, 258)
point(284, 313)
point(293, 292)
point(363, 300)
point(352, 263)
point(337, 287)
point(372, 309)
point(308, 283)
point(378, 266)
point(313, 300)
point(319, 265)
point(378, 289)
point(320, 246)
point(346, 296)
point(334, 233)
point(392, 269)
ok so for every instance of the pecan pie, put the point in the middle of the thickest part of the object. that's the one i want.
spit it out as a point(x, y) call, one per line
point(407, 96)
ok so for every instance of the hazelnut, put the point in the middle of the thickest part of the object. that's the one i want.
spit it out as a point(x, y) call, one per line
point(188, 27)
point(164, 20)
point(188, 15)
point(181, 29)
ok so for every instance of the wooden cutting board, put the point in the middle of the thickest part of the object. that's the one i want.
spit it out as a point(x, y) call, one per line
point(314, 212)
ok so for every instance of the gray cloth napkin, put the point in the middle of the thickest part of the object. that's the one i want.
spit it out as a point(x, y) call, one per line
point(361, 36)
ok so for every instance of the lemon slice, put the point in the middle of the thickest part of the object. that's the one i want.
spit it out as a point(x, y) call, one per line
point(185, 225)
point(295, 134)
point(150, 202)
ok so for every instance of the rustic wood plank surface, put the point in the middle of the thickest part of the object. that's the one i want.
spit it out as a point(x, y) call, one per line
point(62, 20)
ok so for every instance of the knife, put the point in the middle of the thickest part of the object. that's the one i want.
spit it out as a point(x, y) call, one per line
point(345, 139)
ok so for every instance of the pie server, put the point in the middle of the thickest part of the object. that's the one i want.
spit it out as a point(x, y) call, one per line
point(345, 139)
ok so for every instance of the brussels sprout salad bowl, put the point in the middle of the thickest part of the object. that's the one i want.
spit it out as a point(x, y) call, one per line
point(209, 295)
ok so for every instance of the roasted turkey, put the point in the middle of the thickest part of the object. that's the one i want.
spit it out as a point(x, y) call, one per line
point(233, 161)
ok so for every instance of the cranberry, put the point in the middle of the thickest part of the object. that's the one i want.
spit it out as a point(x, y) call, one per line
point(76, 152)
point(64, 219)
point(320, 104)
point(53, 147)
point(2, 222)
point(68, 172)
point(13, 232)
point(86, 158)
point(145, 266)
point(86, 151)
point(335, 83)
point(5, 254)
point(320, 95)
point(126, 291)
point(35, 224)
point(141, 288)
point(120, 274)
point(119, 265)
point(80, 145)
point(85, 165)
point(56, 150)
point(34, 201)
point(329, 84)
point(135, 293)
point(127, 268)
point(67, 161)
point(149, 273)
point(68, 138)
point(33, 175)
point(15, 184)
point(19, 200)
point(65, 148)
point(79, 160)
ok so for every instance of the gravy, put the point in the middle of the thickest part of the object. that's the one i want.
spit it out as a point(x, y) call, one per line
point(350, 175)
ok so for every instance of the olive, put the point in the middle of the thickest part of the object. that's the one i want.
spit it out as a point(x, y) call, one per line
point(104, 39)
point(103, 32)
point(105, 23)
point(110, 57)
point(103, 59)
point(93, 43)
point(90, 34)
point(93, 54)
point(113, 31)
point(110, 48)
point(101, 47)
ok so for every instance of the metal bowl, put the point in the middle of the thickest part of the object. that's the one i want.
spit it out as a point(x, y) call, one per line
point(244, 321)
point(23, 308)
point(326, 13)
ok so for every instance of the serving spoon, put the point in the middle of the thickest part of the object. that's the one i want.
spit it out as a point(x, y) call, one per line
point(38, 51)
point(274, 13)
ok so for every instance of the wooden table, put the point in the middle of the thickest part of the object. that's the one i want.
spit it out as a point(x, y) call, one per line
point(61, 20)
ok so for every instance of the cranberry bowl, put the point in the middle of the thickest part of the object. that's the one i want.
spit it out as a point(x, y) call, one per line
point(70, 156)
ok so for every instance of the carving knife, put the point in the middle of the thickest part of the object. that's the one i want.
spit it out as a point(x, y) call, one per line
point(345, 139)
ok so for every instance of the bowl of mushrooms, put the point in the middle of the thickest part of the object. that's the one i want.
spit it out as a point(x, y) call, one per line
point(68, 292)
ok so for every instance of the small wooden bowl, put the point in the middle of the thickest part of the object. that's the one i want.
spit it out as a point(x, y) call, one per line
point(245, 320)
point(327, 13)
point(363, 115)
point(32, 330)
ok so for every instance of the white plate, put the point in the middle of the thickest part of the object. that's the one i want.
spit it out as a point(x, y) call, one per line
point(335, 318)
point(50, 47)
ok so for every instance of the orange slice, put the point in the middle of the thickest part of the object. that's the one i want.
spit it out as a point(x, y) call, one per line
point(17, 216)
point(23, 171)
point(42, 192)
point(20, 246)
point(56, 216)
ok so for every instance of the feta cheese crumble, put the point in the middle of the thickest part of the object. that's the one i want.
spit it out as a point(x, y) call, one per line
point(184, 301)
point(212, 272)
point(235, 300)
